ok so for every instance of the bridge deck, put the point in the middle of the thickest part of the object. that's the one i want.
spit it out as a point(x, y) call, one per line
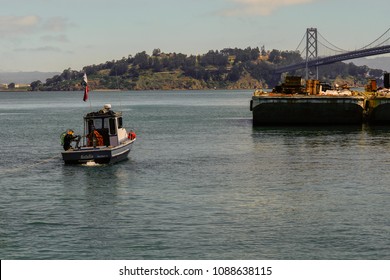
point(335, 58)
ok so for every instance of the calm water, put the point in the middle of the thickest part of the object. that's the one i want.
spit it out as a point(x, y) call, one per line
point(200, 183)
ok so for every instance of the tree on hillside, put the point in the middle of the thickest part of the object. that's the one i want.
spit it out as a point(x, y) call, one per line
point(142, 60)
point(214, 58)
point(157, 66)
point(376, 73)
point(274, 57)
point(176, 61)
point(156, 52)
point(290, 57)
point(197, 72)
point(90, 70)
point(189, 62)
point(36, 85)
point(119, 69)
point(354, 70)
point(242, 55)
point(235, 73)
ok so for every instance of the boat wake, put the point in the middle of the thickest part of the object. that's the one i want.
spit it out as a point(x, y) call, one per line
point(27, 166)
point(91, 164)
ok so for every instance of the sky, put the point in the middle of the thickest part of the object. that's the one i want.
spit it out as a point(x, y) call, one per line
point(54, 35)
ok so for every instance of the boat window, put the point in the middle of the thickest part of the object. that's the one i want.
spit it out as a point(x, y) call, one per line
point(98, 123)
point(90, 126)
point(112, 126)
point(106, 123)
point(120, 125)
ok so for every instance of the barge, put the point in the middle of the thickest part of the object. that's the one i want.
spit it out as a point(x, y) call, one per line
point(293, 104)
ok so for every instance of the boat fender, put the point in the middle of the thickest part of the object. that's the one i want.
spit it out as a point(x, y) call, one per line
point(131, 135)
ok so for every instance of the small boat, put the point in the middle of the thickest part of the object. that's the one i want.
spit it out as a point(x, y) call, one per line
point(105, 139)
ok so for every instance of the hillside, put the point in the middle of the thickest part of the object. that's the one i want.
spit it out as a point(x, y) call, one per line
point(380, 62)
point(226, 69)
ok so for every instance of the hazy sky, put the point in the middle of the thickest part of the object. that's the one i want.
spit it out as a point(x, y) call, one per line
point(53, 35)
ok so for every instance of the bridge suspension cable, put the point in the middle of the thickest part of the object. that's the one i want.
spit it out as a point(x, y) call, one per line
point(336, 49)
point(378, 46)
point(329, 46)
point(300, 43)
point(387, 31)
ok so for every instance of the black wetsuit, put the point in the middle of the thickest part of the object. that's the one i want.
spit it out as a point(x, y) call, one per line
point(67, 140)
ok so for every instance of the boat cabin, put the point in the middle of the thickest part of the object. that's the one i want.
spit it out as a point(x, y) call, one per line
point(104, 128)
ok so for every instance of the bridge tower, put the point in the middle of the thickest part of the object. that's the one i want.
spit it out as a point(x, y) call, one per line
point(311, 49)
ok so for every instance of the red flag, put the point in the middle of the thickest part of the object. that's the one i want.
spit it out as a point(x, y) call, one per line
point(86, 89)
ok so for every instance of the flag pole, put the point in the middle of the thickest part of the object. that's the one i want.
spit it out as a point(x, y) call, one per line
point(90, 104)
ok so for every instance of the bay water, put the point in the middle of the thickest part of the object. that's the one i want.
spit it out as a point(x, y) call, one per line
point(200, 183)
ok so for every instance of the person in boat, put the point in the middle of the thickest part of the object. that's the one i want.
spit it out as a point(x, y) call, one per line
point(95, 139)
point(69, 138)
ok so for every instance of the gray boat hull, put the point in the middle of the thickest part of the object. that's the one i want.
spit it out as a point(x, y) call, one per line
point(100, 155)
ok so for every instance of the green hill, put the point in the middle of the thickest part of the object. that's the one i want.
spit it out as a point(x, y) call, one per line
point(226, 69)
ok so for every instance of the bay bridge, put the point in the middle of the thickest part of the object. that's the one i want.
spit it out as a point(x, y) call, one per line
point(313, 44)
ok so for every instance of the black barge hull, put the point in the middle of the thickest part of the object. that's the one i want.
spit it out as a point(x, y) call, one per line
point(310, 110)
point(378, 110)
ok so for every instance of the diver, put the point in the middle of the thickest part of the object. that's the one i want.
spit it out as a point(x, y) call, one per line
point(69, 137)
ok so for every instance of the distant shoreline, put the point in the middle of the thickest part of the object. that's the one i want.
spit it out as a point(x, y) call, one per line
point(119, 90)
point(134, 90)
point(103, 90)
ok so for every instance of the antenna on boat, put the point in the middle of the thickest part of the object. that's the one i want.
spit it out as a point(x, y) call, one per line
point(118, 88)
point(90, 104)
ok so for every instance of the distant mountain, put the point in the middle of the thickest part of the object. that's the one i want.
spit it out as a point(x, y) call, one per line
point(374, 63)
point(25, 77)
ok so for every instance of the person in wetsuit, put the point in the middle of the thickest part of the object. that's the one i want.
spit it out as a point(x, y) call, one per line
point(69, 137)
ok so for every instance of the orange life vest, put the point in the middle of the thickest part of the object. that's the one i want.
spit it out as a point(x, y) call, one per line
point(97, 136)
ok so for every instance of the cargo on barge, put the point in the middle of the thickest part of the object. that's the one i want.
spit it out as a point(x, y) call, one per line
point(378, 102)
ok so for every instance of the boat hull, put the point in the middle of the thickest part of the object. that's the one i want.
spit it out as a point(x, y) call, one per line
point(289, 110)
point(100, 155)
point(379, 111)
